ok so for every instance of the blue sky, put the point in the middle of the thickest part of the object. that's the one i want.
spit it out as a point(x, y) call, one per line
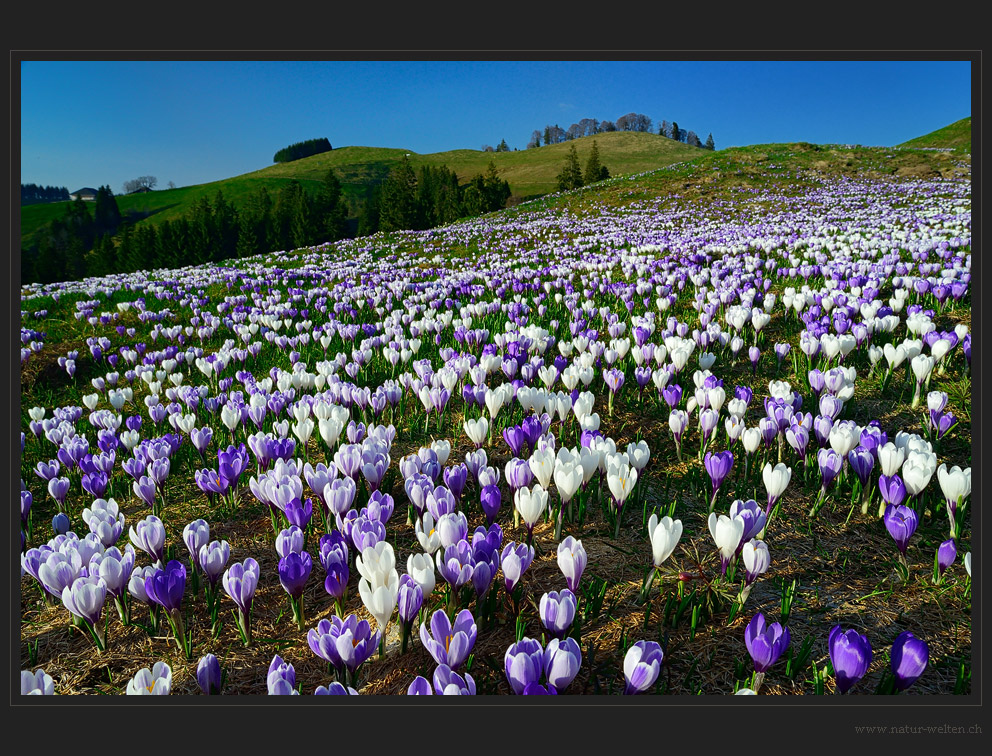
point(89, 123)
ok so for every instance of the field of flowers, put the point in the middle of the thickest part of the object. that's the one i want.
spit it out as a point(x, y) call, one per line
point(664, 436)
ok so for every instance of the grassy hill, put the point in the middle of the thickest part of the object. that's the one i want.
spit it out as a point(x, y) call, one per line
point(956, 136)
point(529, 172)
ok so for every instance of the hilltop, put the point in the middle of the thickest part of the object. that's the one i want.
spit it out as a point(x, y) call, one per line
point(956, 136)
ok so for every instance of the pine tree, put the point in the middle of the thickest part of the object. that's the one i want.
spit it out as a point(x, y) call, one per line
point(106, 213)
point(675, 131)
point(398, 202)
point(331, 208)
point(709, 143)
point(595, 171)
point(571, 174)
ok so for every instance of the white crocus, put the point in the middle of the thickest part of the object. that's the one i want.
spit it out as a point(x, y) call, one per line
point(421, 568)
point(776, 480)
point(530, 503)
point(664, 534)
point(890, 458)
point(427, 535)
point(542, 464)
point(476, 430)
point(727, 533)
point(156, 681)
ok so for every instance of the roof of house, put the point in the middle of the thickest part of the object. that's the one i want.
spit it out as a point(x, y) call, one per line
point(85, 190)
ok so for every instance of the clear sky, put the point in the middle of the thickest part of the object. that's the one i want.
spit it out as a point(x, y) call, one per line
point(89, 123)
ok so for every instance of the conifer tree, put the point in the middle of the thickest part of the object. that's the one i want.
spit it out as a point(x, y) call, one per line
point(571, 174)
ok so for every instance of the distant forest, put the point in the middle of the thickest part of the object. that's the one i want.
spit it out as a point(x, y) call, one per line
point(430, 197)
point(32, 194)
point(629, 122)
point(302, 150)
point(95, 239)
point(82, 244)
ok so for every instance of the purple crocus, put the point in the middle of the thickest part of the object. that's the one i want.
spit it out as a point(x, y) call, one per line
point(892, 489)
point(562, 661)
point(449, 683)
point(765, 643)
point(910, 656)
point(167, 586)
point(641, 666)
point(947, 552)
point(862, 462)
point(830, 463)
point(240, 581)
point(490, 499)
point(901, 522)
point(208, 675)
point(557, 611)
point(515, 559)
point(456, 564)
point(449, 643)
point(281, 678)
point(294, 571)
point(345, 643)
point(850, 655)
point(718, 466)
point(523, 663)
point(409, 599)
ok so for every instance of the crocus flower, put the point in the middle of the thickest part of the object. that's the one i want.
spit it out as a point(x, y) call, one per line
point(213, 559)
point(765, 643)
point(37, 683)
point(947, 552)
point(61, 524)
point(208, 675)
point(409, 599)
point(85, 598)
point(557, 611)
point(281, 678)
point(776, 480)
point(664, 535)
point(572, 560)
point(420, 687)
point(562, 660)
point(910, 656)
point(196, 535)
point(641, 666)
point(334, 689)
point(850, 655)
point(514, 560)
point(718, 466)
point(756, 560)
point(149, 536)
point(344, 643)
point(901, 522)
point(449, 643)
point(524, 664)
point(156, 681)
point(420, 567)
point(294, 570)
point(240, 581)
point(727, 533)
point(450, 683)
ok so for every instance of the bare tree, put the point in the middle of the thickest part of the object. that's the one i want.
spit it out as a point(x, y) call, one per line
point(142, 182)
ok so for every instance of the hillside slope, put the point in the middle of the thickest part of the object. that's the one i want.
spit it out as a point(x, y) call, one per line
point(956, 136)
point(529, 172)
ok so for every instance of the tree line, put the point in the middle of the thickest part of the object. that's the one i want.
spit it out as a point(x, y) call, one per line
point(80, 244)
point(572, 176)
point(417, 200)
point(628, 122)
point(32, 194)
point(302, 150)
